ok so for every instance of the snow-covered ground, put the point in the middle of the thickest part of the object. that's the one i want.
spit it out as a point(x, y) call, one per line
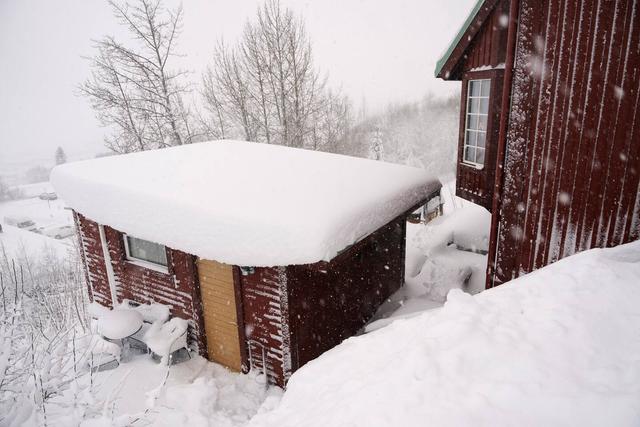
point(19, 243)
point(560, 346)
point(46, 214)
point(34, 190)
point(195, 393)
point(447, 253)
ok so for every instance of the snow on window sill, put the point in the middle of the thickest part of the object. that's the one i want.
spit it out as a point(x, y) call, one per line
point(148, 265)
point(476, 166)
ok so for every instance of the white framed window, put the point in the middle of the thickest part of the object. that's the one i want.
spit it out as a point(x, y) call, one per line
point(145, 253)
point(475, 132)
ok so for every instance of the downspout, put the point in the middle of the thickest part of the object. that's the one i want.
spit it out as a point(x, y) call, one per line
point(111, 277)
point(502, 141)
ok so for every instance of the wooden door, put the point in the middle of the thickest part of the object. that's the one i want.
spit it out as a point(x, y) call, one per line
point(220, 313)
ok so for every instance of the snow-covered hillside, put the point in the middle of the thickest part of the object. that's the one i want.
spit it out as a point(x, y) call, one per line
point(560, 346)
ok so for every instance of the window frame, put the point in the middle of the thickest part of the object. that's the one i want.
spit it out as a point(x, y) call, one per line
point(143, 262)
point(467, 103)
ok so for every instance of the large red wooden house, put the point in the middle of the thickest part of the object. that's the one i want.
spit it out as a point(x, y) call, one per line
point(273, 254)
point(549, 126)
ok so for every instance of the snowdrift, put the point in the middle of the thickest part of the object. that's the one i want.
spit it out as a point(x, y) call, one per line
point(560, 346)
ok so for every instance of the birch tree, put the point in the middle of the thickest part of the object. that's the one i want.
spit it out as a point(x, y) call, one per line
point(266, 88)
point(133, 88)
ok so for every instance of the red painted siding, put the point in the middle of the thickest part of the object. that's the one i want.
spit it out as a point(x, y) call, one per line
point(572, 152)
point(266, 321)
point(488, 48)
point(329, 302)
point(178, 289)
point(91, 248)
point(298, 312)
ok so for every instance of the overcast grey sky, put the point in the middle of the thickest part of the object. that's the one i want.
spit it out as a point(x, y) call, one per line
point(378, 50)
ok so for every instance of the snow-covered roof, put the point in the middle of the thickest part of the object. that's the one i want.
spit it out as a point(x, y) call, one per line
point(243, 203)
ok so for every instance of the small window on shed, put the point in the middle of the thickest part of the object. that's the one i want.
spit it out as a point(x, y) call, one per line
point(475, 135)
point(146, 252)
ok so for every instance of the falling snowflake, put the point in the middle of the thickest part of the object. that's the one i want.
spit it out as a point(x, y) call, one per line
point(503, 20)
point(517, 232)
point(564, 198)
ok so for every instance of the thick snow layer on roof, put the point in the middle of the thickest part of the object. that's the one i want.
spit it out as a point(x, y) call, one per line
point(243, 203)
point(556, 347)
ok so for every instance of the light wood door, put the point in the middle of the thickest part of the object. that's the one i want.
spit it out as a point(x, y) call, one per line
point(220, 315)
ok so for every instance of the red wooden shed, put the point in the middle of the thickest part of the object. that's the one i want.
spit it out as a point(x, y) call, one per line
point(273, 254)
point(549, 128)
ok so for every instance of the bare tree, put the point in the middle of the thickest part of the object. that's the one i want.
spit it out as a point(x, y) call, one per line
point(267, 89)
point(132, 88)
point(226, 92)
point(330, 123)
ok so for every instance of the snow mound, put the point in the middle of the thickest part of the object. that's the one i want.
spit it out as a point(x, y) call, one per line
point(467, 227)
point(243, 203)
point(559, 346)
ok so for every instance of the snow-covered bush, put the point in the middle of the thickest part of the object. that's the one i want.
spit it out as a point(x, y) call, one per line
point(43, 336)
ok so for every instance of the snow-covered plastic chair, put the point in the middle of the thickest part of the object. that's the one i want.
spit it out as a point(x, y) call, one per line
point(99, 348)
point(164, 339)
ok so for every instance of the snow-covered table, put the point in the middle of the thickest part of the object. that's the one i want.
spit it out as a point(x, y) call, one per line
point(119, 324)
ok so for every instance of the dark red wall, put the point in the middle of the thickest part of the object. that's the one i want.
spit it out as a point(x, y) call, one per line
point(299, 312)
point(178, 289)
point(573, 143)
point(91, 249)
point(488, 48)
point(329, 302)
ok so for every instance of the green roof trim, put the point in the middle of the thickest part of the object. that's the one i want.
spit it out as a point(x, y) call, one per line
point(443, 59)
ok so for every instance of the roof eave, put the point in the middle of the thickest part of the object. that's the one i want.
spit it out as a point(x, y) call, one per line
point(449, 60)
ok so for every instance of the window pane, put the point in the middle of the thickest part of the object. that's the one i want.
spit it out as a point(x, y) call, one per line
point(484, 105)
point(482, 123)
point(475, 87)
point(476, 121)
point(472, 121)
point(480, 155)
point(475, 105)
point(481, 139)
point(147, 251)
point(471, 138)
point(486, 85)
point(470, 154)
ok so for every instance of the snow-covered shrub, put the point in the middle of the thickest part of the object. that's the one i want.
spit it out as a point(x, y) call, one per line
point(43, 336)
